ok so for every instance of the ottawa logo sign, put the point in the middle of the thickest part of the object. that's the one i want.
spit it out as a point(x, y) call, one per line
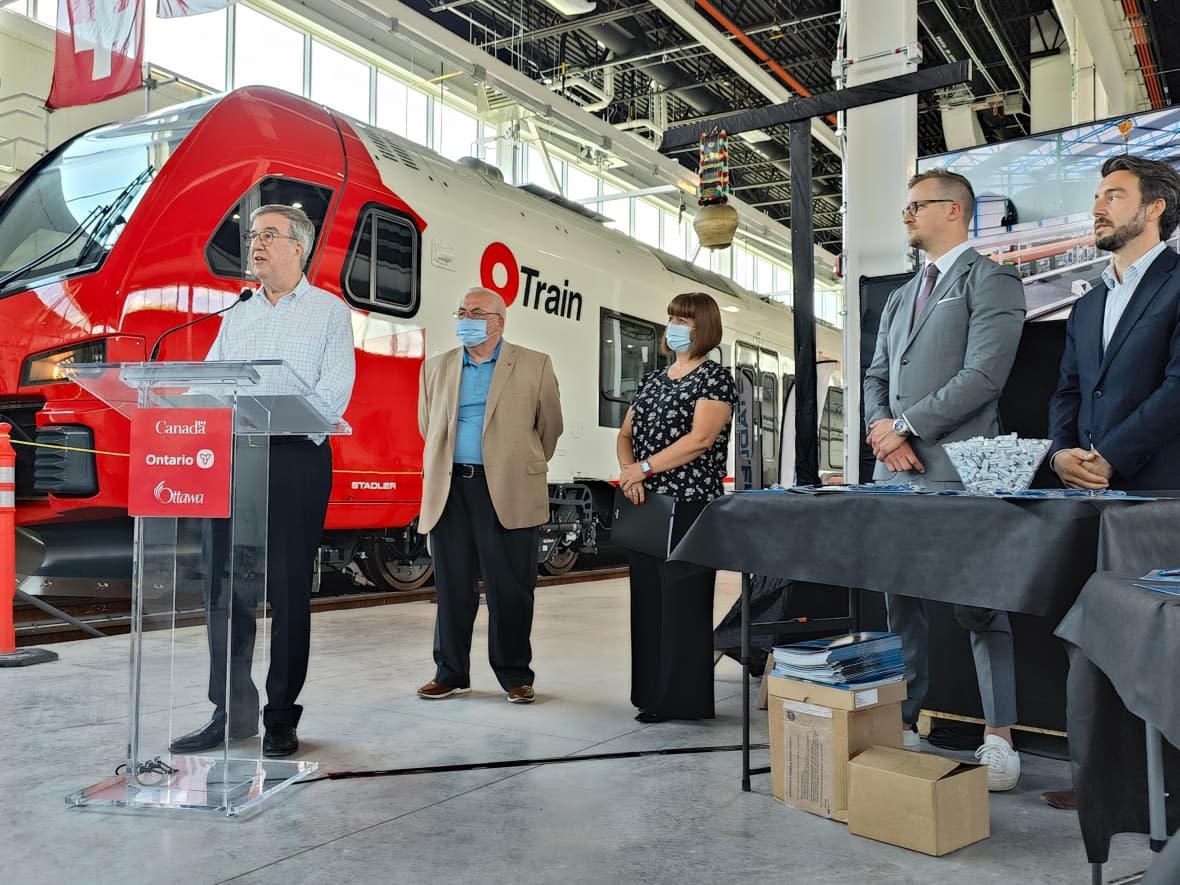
point(180, 463)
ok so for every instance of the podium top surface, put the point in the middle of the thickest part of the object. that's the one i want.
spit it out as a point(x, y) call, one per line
point(267, 396)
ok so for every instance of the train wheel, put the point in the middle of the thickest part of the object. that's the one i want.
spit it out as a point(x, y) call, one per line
point(388, 571)
point(560, 561)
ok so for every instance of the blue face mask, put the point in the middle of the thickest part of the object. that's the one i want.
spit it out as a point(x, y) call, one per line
point(471, 332)
point(679, 338)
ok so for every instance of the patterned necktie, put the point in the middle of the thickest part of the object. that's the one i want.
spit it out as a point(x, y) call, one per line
point(927, 288)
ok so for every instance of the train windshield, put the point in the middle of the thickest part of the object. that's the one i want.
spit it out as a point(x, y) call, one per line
point(67, 214)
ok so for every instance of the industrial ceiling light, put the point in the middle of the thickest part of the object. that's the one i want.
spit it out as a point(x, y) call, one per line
point(570, 8)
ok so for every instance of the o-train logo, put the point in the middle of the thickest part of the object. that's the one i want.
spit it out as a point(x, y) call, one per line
point(500, 272)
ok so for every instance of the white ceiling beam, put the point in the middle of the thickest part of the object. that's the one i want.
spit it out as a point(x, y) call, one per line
point(686, 17)
point(1106, 31)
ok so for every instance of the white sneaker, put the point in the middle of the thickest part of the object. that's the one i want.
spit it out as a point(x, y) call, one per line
point(1002, 761)
point(910, 740)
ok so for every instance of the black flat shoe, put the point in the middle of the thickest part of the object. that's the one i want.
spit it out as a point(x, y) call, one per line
point(280, 740)
point(648, 716)
point(209, 736)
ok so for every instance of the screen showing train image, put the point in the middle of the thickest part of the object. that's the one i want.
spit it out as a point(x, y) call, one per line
point(1034, 198)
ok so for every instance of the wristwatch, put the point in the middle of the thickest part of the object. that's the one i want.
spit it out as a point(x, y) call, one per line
point(645, 466)
point(901, 427)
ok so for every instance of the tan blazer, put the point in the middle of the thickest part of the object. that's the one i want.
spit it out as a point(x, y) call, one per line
point(520, 431)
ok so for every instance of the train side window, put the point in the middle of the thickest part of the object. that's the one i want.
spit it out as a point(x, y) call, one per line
point(381, 271)
point(224, 252)
point(831, 435)
point(629, 348)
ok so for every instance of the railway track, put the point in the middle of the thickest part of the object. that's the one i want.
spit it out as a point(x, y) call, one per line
point(111, 618)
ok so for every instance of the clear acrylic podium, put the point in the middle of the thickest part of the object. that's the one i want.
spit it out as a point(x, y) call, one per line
point(218, 566)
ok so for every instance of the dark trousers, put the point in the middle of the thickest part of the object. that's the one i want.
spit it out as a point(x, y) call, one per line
point(672, 630)
point(300, 481)
point(467, 542)
point(991, 646)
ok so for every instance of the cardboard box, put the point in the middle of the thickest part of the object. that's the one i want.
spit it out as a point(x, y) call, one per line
point(816, 729)
point(919, 801)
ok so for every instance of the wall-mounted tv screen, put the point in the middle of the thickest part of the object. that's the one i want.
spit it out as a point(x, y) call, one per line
point(1034, 198)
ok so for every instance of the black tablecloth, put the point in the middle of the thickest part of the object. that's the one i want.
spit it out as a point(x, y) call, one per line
point(1124, 646)
point(1026, 555)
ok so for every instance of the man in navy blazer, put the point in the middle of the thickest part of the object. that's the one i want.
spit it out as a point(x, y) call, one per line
point(1115, 417)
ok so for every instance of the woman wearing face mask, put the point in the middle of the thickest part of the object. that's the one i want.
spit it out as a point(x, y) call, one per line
point(674, 441)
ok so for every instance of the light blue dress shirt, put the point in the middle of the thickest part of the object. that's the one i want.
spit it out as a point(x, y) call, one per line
point(474, 384)
point(1118, 294)
point(310, 329)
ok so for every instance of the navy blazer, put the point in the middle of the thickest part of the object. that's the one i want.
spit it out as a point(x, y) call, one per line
point(1125, 402)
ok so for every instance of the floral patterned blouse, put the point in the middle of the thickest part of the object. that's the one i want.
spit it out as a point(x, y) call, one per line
point(662, 413)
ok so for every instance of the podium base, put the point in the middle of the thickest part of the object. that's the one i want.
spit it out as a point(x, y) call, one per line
point(209, 784)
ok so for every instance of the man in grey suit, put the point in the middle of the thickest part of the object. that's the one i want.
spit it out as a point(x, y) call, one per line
point(946, 343)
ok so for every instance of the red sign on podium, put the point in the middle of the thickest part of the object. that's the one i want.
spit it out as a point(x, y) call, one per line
point(180, 462)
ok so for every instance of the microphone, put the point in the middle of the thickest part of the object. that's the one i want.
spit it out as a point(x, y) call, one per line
point(244, 295)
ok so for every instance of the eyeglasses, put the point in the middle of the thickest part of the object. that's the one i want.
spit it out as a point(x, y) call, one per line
point(266, 237)
point(915, 206)
point(462, 314)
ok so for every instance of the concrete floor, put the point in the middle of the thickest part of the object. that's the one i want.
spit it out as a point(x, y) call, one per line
point(676, 819)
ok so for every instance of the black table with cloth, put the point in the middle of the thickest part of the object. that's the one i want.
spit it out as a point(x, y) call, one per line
point(1025, 555)
point(1030, 555)
point(1124, 651)
point(1124, 655)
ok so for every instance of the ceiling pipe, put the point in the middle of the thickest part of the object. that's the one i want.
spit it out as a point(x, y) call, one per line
point(1151, 77)
point(978, 63)
point(757, 51)
point(998, 38)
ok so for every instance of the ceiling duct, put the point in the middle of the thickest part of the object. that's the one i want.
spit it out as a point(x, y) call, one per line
point(581, 91)
point(494, 106)
point(570, 8)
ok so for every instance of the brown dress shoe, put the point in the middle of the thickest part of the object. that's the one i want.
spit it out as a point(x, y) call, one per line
point(522, 694)
point(1066, 800)
point(436, 691)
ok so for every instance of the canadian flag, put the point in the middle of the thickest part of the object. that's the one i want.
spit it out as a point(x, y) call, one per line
point(177, 8)
point(99, 51)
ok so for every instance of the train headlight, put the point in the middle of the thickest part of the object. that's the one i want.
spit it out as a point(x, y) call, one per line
point(49, 367)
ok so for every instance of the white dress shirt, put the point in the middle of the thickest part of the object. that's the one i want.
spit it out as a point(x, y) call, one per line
point(309, 329)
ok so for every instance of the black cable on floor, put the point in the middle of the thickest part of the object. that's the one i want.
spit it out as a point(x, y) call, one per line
point(526, 763)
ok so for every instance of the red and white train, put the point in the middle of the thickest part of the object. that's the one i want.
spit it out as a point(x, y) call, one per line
point(132, 229)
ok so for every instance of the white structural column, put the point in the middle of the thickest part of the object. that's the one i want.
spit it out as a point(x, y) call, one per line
point(879, 157)
point(1050, 84)
point(1107, 81)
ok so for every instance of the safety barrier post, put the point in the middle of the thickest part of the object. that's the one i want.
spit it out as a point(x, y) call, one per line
point(10, 656)
point(7, 540)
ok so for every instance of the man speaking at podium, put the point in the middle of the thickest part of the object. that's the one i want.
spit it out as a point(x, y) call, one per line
point(310, 330)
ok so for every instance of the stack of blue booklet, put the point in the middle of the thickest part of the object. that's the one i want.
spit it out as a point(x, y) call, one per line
point(1163, 580)
point(852, 661)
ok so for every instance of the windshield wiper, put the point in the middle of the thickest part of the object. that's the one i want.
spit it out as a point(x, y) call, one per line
point(114, 212)
point(99, 216)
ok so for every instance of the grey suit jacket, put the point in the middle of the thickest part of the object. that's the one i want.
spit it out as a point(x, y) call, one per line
point(945, 369)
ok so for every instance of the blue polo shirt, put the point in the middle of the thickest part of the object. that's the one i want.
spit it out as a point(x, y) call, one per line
point(474, 384)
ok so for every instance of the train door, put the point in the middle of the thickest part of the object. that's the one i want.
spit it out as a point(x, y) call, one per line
point(770, 413)
point(747, 420)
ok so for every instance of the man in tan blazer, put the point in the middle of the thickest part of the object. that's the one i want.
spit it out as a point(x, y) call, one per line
point(490, 414)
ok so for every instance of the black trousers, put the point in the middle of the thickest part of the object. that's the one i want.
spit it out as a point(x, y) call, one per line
point(467, 542)
point(300, 481)
point(672, 630)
